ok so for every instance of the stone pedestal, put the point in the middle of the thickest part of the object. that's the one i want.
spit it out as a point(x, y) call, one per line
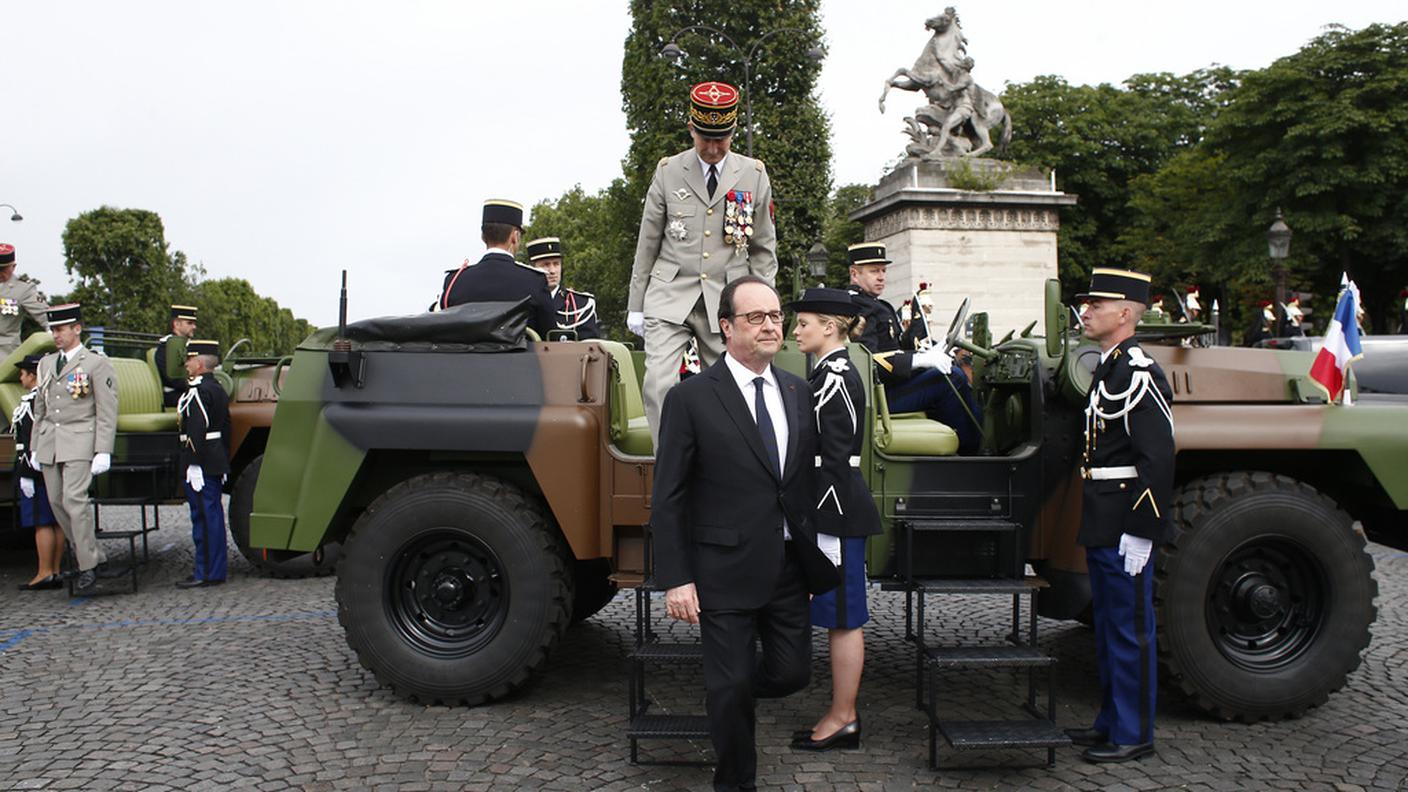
point(994, 241)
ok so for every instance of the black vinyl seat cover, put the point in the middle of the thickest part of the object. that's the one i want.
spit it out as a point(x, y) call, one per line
point(471, 327)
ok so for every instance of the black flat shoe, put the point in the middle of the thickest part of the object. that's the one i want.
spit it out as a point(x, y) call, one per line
point(1087, 738)
point(847, 736)
point(190, 583)
point(25, 587)
point(1110, 753)
point(47, 584)
point(86, 584)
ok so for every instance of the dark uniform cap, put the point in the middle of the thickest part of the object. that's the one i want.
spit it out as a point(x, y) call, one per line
point(826, 301)
point(194, 348)
point(7, 254)
point(183, 312)
point(547, 247)
point(867, 253)
point(1117, 284)
point(497, 210)
point(713, 109)
point(65, 314)
point(30, 363)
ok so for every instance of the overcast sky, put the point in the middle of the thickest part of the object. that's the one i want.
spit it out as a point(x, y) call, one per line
point(285, 141)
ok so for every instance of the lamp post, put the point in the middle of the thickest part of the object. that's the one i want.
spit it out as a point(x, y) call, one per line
point(672, 51)
point(1278, 244)
point(14, 213)
point(817, 259)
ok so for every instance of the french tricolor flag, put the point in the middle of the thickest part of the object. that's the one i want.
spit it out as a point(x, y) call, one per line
point(1340, 348)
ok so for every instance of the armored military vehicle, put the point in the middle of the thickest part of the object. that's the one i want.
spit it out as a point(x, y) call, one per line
point(488, 489)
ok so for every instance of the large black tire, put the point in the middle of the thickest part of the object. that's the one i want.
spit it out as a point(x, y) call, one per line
point(1264, 595)
point(274, 563)
point(593, 588)
point(453, 588)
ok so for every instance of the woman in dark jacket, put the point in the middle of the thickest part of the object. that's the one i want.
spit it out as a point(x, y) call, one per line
point(33, 501)
point(845, 512)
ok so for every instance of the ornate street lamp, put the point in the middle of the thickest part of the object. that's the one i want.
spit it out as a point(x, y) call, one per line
point(672, 51)
point(817, 259)
point(1278, 244)
point(14, 213)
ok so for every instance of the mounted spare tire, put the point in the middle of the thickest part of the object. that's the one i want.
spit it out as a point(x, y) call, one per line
point(453, 588)
point(1264, 595)
point(284, 564)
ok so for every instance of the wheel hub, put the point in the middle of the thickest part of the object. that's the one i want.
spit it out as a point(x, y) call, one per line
point(452, 588)
point(1267, 602)
point(447, 594)
point(1257, 598)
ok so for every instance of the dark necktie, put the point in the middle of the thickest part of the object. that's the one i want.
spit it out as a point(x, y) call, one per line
point(713, 180)
point(62, 362)
point(760, 408)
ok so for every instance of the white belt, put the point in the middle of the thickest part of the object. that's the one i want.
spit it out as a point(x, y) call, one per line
point(1112, 473)
point(855, 461)
point(208, 436)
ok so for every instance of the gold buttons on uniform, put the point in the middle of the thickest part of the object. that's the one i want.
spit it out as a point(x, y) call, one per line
point(706, 254)
point(710, 211)
point(707, 232)
point(703, 276)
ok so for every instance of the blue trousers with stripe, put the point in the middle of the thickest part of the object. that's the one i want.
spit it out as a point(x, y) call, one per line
point(1125, 649)
point(208, 529)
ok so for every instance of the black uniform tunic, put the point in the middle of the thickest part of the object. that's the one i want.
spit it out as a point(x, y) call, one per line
point(576, 310)
point(844, 504)
point(205, 428)
point(885, 337)
point(497, 277)
point(22, 424)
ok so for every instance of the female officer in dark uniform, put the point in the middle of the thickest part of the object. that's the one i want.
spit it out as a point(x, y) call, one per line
point(34, 501)
point(845, 513)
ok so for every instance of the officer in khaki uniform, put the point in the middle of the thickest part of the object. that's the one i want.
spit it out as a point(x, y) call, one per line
point(1126, 511)
point(16, 296)
point(171, 354)
point(707, 221)
point(75, 423)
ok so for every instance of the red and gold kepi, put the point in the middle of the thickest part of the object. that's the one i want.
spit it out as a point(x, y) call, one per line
point(713, 109)
point(7, 254)
point(1116, 284)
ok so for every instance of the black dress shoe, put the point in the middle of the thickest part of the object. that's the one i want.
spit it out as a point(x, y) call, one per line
point(1117, 753)
point(47, 584)
point(1087, 738)
point(25, 587)
point(189, 583)
point(108, 571)
point(86, 584)
point(847, 736)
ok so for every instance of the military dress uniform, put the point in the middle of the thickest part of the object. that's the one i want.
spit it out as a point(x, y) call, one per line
point(693, 241)
point(17, 298)
point(1127, 465)
point(170, 358)
point(34, 509)
point(204, 411)
point(75, 415)
point(498, 277)
point(907, 388)
point(575, 310)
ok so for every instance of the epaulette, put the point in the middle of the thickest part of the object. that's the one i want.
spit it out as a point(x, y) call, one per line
point(531, 268)
point(1138, 359)
point(582, 293)
point(758, 164)
point(838, 365)
point(662, 162)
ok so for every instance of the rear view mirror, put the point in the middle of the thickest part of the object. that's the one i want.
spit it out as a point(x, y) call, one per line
point(1055, 320)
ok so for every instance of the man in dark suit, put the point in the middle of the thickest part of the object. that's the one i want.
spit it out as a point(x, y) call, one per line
point(734, 545)
point(497, 276)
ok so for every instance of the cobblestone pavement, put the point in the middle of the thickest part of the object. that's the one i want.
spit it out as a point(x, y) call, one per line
point(251, 686)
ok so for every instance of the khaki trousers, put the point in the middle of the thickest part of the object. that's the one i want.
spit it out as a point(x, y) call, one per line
point(67, 483)
point(665, 344)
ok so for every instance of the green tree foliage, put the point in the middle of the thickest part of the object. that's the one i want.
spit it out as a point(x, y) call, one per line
point(598, 234)
point(791, 132)
point(127, 277)
point(839, 231)
point(230, 309)
point(1099, 140)
point(124, 273)
point(1322, 134)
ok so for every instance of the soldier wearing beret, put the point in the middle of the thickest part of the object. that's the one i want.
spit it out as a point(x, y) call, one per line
point(1126, 508)
point(498, 277)
point(204, 412)
point(16, 297)
point(33, 501)
point(576, 310)
point(707, 221)
point(171, 354)
point(915, 380)
point(75, 419)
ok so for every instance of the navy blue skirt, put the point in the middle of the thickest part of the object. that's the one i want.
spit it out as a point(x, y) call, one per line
point(843, 607)
point(36, 511)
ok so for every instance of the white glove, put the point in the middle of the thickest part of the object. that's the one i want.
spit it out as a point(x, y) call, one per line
point(27, 487)
point(830, 546)
point(635, 322)
point(1136, 551)
point(195, 477)
point(34, 463)
point(101, 463)
point(934, 358)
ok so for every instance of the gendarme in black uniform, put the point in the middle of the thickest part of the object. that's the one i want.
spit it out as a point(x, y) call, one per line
point(204, 412)
point(497, 277)
point(573, 310)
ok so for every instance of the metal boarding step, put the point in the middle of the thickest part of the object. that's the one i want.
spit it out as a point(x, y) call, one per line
point(945, 657)
point(668, 727)
point(997, 734)
point(649, 651)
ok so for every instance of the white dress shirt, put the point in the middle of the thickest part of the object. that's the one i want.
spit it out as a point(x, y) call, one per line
point(772, 397)
point(718, 168)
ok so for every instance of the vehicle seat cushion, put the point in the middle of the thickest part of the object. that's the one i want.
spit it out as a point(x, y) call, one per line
point(38, 343)
point(10, 394)
point(635, 439)
point(920, 437)
point(139, 398)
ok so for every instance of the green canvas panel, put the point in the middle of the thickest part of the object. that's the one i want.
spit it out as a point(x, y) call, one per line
point(630, 431)
point(39, 342)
